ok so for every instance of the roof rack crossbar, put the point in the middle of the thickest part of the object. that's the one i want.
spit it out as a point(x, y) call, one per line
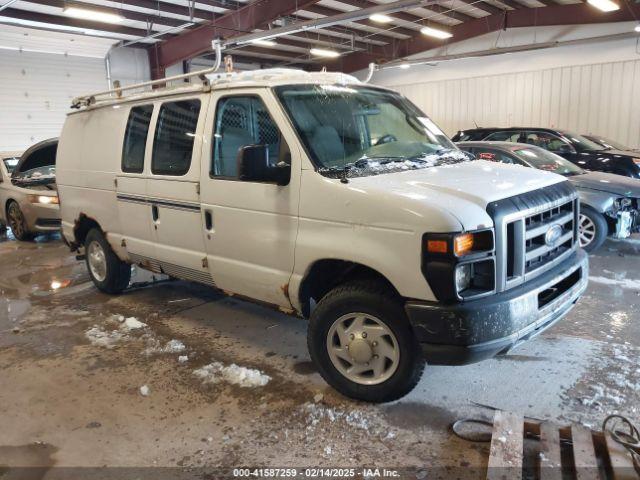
point(86, 100)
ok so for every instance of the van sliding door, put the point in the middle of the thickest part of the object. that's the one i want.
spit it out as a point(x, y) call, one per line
point(173, 189)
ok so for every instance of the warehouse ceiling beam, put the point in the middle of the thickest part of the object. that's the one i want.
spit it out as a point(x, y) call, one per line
point(571, 14)
point(339, 19)
point(197, 41)
point(415, 17)
point(329, 12)
point(64, 21)
point(224, 4)
point(485, 7)
point(127, 14)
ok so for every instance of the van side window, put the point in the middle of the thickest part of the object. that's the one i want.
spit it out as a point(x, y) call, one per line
point(242, 121)
point(173, 141)
point(135, 139)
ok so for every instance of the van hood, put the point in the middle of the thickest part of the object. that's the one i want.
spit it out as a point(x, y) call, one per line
point(464, 189)
point(479, 181)
point(607, 182)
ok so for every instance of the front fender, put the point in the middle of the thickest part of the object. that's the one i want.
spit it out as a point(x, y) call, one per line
point(599, 201)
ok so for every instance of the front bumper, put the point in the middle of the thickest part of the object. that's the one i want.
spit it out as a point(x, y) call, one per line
point(41, 217)
point(472, 331)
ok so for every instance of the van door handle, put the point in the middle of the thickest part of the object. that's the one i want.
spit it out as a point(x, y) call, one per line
point(154, 212)
point(208, 220)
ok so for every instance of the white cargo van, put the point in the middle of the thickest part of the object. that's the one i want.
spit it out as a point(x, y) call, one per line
point(331, 199)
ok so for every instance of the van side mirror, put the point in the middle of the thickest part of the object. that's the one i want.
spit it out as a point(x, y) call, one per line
point(254, 166)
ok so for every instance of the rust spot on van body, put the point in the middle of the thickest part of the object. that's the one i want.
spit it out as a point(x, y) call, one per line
point(285, 290)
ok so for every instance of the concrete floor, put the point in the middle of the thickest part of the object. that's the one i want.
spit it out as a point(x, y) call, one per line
point(67, 402)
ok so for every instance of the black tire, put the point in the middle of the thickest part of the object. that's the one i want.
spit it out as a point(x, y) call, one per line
point(600, 225)
point(376, 299)
point(117, 273)
point(17, 222)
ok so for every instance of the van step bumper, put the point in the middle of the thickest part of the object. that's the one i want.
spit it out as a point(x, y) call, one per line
point(469, 332)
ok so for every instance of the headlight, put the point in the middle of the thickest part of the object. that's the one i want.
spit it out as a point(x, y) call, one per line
point(44, 199)
point(459, 266)
point(463, 277)
point(460, 244)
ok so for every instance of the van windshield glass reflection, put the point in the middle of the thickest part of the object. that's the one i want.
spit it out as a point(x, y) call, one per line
point(364, 131)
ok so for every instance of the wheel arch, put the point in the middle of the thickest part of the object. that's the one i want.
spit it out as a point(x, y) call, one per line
point(82, 226)
point(325, 274)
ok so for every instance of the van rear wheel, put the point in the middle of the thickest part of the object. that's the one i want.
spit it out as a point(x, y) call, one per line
point(360, 340)
point(109, 273)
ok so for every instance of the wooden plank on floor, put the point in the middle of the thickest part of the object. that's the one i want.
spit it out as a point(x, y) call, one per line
point(584, 454)
point(505, 456)
point(550, 460)
point(621, 461)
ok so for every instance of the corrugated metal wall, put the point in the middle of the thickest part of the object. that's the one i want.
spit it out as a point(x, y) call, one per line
point(599, 98)
point(36, 90)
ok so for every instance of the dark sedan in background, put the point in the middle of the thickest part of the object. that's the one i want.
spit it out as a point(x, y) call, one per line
point(577, 149)
point(609, 204)
point(608, 143)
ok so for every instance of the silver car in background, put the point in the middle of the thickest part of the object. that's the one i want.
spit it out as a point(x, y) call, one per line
point(28, 195)
point(609, 204)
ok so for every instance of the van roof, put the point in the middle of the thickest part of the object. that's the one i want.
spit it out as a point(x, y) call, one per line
point(216, 81)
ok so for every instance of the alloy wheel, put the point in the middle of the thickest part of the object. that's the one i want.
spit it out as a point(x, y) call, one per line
point(363, 348)
point(16, 220)
point(586, 231)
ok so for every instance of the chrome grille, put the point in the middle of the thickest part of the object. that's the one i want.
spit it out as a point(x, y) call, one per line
point(537, 252)
point(523, 248)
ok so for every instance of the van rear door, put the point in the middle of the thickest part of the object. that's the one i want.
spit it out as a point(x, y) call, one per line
point(134, 211)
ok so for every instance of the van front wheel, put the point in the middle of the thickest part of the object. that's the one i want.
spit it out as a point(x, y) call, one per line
point(108, 272)
point(362, 344)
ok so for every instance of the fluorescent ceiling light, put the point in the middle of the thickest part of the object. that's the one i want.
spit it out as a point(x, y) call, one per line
point(637, 29)
point(95, 15)
point(434, 32)
point(380, 18)
point(405, 66)
point(264, 43)
point(604, 5)
point(321, 52)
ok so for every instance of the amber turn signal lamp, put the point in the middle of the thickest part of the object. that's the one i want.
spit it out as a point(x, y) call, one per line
point(463, 244)
point(437, 246)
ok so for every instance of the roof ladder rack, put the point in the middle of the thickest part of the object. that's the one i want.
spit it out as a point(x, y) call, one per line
point(91, 99)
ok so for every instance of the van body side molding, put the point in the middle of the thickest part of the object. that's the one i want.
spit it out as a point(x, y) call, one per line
point(160, 202)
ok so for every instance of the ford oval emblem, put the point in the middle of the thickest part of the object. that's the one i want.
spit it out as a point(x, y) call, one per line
point(553, 235)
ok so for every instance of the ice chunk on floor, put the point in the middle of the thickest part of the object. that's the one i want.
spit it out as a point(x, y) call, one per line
point(101, 338)
point(132, 323)
point(216, 372)
point(174, 346)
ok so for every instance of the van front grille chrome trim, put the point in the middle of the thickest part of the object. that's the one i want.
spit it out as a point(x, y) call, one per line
point(534, 232)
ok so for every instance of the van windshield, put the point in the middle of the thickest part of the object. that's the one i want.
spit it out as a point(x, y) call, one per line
point(359, 130)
